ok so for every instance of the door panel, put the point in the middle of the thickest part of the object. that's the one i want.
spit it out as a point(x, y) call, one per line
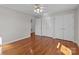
point(47, 26)
point(38, 28)
point(58, 27)
point(69, 27)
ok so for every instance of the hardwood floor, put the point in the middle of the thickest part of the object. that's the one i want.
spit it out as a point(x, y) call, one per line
point(38, 45)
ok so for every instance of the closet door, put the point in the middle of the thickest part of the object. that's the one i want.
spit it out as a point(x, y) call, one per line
point(43, 26)
point(47, 26)
point(58, 27)
point(38, 28)
point(69, 27)
point(50, 26)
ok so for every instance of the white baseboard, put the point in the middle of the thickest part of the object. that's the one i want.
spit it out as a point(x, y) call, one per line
point(0, 50)
point(0, 40)
point(15, 40)
point(77, 42)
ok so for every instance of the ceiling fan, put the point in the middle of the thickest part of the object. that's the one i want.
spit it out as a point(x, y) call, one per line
point(38, 8)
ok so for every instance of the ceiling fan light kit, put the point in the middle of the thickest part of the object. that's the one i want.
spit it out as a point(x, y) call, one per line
point(38, 8)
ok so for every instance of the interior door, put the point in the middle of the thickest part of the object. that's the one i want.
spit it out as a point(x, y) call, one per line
point(38, 28)
point(59, 27)
point(47, 26)
point(69, 27)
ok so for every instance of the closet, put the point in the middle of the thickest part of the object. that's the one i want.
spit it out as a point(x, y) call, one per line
point(64, 26)
point(59, 26)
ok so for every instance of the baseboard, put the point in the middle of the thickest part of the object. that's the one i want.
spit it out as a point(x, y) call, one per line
point(0, 50)
point(18, 39)
point(77, 42)
point(15, 40)
point(0, 40)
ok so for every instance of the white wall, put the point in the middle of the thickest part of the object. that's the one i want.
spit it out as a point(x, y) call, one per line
point(13, 25)
point(0, 45)
point(77, 25)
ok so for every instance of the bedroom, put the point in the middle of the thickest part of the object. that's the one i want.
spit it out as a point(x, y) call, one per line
point(39, 29)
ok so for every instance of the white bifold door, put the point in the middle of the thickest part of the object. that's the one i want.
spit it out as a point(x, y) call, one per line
point(45, 26)
point(64, 27)
point(69, 27)
point(58, 26)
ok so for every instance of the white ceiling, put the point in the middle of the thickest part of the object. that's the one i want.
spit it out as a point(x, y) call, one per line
point(50, 8)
